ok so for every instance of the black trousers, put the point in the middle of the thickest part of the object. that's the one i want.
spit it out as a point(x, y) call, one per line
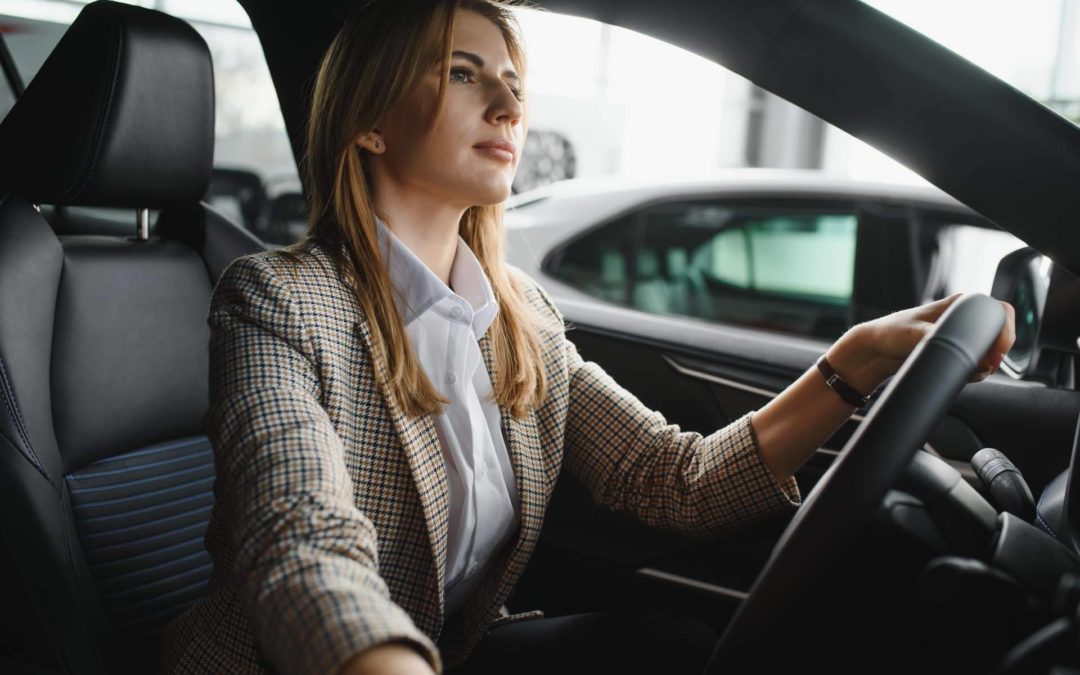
point(616, 641)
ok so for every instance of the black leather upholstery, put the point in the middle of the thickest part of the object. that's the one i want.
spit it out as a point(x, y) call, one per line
point(105, 473)
point(1050, 510)
point(87, 130)
point(129, 343)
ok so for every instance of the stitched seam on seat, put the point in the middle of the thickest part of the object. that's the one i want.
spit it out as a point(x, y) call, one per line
point(73, 190)
point(17, 420)
point(1039, 516)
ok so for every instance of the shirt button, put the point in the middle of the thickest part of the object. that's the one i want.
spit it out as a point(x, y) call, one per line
point(451, 378)
point(455, 312)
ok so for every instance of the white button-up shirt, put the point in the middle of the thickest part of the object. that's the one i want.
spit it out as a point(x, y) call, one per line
point(444, 324)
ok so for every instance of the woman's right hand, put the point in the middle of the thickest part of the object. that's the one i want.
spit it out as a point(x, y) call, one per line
point(390, 658)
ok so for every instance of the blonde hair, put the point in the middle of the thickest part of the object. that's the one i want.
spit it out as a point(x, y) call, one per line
point(379, 56)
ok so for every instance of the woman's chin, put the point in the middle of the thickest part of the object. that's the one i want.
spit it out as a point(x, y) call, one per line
point(489, 195)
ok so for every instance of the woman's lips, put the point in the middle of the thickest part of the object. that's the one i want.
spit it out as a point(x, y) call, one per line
point(497, 153)
point(499, 147)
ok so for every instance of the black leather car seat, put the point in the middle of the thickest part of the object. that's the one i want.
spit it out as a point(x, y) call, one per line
point(105, 473)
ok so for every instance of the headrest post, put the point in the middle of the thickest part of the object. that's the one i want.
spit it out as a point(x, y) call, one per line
point(143, 232)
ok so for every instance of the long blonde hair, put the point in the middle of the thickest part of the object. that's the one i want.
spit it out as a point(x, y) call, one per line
point(378, 57)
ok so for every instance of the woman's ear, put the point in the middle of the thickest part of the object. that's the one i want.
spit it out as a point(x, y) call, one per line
point(371, 141)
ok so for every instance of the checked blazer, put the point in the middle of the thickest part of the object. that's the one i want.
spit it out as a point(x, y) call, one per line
point(329, 527)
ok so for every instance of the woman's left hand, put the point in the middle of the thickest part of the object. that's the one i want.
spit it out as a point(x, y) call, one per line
point(893, 336)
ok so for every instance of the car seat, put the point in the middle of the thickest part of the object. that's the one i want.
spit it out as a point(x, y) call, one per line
point(678, 266)
point(105, 472)
point(650, 292)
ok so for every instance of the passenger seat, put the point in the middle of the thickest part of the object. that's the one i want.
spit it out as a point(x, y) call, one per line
point(105, 473)
point(650, 293)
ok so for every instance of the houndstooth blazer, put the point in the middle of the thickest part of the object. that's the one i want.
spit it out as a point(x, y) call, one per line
point(329, 528)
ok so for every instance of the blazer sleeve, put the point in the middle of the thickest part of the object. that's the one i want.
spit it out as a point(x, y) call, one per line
point(631, 458)
point(305, 557)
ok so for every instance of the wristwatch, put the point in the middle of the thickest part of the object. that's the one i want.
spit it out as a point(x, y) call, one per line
point(837, 384)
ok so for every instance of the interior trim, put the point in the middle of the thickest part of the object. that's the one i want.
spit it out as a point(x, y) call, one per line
point(709, 377)
point(963, 467)
point(695, 584)
point(734, 384)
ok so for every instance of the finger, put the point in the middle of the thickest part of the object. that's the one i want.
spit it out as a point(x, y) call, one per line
point(1007, 336)
point(931, 311)
point(982, 375)
point(1011, 323)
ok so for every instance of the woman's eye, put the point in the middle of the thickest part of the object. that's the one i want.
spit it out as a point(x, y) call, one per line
point(455, 72)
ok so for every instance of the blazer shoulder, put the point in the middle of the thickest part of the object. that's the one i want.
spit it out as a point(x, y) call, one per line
point(293, 294)
point(306, 274)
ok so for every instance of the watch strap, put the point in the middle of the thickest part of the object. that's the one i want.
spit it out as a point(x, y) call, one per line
point(850, 395)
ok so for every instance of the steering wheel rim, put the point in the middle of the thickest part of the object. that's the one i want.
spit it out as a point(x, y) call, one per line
point(843, 502)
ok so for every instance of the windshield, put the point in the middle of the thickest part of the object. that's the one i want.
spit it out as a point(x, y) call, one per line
point(1030, 45)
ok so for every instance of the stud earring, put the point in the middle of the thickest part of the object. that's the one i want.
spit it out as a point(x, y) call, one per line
point(378, 144)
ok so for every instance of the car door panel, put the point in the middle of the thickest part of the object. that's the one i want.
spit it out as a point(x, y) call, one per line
point(701, 376)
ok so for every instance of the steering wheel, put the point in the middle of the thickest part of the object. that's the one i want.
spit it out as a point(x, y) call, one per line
point(845, 499)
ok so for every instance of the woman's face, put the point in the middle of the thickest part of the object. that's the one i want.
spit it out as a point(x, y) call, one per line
point(445, 159)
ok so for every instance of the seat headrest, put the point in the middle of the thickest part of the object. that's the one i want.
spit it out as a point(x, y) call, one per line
point(121, 114)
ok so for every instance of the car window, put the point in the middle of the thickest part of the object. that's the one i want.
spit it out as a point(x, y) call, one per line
point(598, 262)
point(965, 258)
point(1032, 45)
point(7, 97)
point(781, 268)
point(590, 116)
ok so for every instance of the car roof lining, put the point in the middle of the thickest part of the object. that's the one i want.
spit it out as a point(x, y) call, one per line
point(905, 94)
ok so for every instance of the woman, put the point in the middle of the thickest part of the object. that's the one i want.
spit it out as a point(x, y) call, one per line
point(391, 404)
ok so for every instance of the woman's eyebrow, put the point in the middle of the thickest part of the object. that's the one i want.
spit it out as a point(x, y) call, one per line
point(479, 63)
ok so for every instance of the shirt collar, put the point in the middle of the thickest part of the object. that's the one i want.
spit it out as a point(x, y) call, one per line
point(418, 288)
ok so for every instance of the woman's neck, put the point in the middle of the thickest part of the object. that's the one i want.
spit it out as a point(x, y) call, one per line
point(428, 226)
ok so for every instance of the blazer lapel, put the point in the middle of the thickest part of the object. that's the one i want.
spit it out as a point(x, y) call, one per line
point(420, 443)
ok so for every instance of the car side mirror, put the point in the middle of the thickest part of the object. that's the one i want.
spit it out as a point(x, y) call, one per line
point(1023, 279)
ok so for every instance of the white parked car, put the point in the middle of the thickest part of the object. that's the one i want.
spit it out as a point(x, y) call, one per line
point(798, 252)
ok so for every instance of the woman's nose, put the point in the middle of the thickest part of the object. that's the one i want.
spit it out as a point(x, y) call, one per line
point(506, 106)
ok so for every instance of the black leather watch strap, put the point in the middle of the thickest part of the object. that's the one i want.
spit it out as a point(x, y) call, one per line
point(837, 384)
